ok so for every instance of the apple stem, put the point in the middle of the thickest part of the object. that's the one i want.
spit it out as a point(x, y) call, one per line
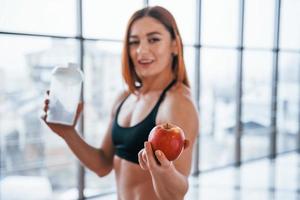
point(167, 126)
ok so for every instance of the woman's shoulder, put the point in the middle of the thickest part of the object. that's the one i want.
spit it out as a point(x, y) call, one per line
point(179, 108)
point(180, 93)
point(179, 98)
point(120, 96)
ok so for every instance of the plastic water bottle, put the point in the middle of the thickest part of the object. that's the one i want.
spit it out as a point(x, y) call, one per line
point(65, 90)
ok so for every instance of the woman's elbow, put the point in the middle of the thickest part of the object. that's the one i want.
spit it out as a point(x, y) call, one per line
point(103, 172)
point(104, 169)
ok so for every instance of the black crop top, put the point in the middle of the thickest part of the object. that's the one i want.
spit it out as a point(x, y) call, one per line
point(128, 141)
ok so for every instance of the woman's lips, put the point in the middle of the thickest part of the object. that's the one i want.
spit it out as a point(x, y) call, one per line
point(145, 63)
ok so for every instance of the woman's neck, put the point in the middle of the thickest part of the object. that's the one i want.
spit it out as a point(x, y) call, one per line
point(157, 83)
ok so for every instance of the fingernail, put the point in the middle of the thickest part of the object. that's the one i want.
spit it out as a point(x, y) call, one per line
point(145, 143)
point(158, 153)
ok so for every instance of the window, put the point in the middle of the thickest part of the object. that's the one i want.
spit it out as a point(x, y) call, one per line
point(290, 28)
point(288, 101)
point(219, 22)
point(51, 17)
point(189, 58)
point(259, 23)
point(184, 14)
point(103, 84)
point(28, 147)
point(107, 20)
point(256, 102)
point(217, 117)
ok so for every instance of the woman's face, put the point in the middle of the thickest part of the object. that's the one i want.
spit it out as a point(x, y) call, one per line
point(150, 47)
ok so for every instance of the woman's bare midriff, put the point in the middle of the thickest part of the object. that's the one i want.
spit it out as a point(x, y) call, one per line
point(133, 183)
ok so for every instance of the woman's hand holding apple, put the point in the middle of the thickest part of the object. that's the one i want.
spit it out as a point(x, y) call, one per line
point(164, 145)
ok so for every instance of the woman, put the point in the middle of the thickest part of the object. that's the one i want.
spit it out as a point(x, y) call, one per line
point(158, 92)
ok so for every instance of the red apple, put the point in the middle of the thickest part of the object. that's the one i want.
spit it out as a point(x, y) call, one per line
point(168, 138)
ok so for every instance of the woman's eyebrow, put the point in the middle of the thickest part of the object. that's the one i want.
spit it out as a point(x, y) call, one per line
point(153, 33)
point(148, 34)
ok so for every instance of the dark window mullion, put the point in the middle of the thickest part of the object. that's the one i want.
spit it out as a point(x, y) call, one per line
point(298, 141)
point(239, 89)
point(146, 3)
point(273, 134)
point(81, 170)
point(37, 35)
point(196, 168)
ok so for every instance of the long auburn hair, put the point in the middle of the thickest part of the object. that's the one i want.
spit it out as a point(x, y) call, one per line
point(167, 20)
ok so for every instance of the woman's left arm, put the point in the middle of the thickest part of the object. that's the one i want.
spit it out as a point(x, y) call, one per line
point(170, 179)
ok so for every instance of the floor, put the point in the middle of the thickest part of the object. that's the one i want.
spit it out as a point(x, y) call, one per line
point(257, 180)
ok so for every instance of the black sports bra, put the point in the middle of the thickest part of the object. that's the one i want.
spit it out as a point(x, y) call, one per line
point(128, 141)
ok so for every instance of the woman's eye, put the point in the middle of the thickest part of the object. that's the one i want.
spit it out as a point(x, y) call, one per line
point(133, 42)
point(153, 40)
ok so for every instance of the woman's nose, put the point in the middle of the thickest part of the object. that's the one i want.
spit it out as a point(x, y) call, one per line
point(142, 48)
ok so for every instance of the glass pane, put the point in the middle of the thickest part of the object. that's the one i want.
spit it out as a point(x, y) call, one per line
point(103, 83)
point(290, 24)
point(183, 12)
point(256, 104)
point(32, 157)
point(259, 23)
point(34, 16)
point(220, 22)
point(50, 182)
point(109, 19)
point(189, 59)
point(288, 101)
point(217, 117)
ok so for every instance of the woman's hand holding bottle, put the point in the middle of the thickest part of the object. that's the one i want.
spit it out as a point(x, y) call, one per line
point(60, 129)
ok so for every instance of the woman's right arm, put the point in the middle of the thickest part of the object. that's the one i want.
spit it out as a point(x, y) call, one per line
point(99, 160)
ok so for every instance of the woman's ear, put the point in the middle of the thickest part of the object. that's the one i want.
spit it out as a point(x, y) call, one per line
point(174, 48)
